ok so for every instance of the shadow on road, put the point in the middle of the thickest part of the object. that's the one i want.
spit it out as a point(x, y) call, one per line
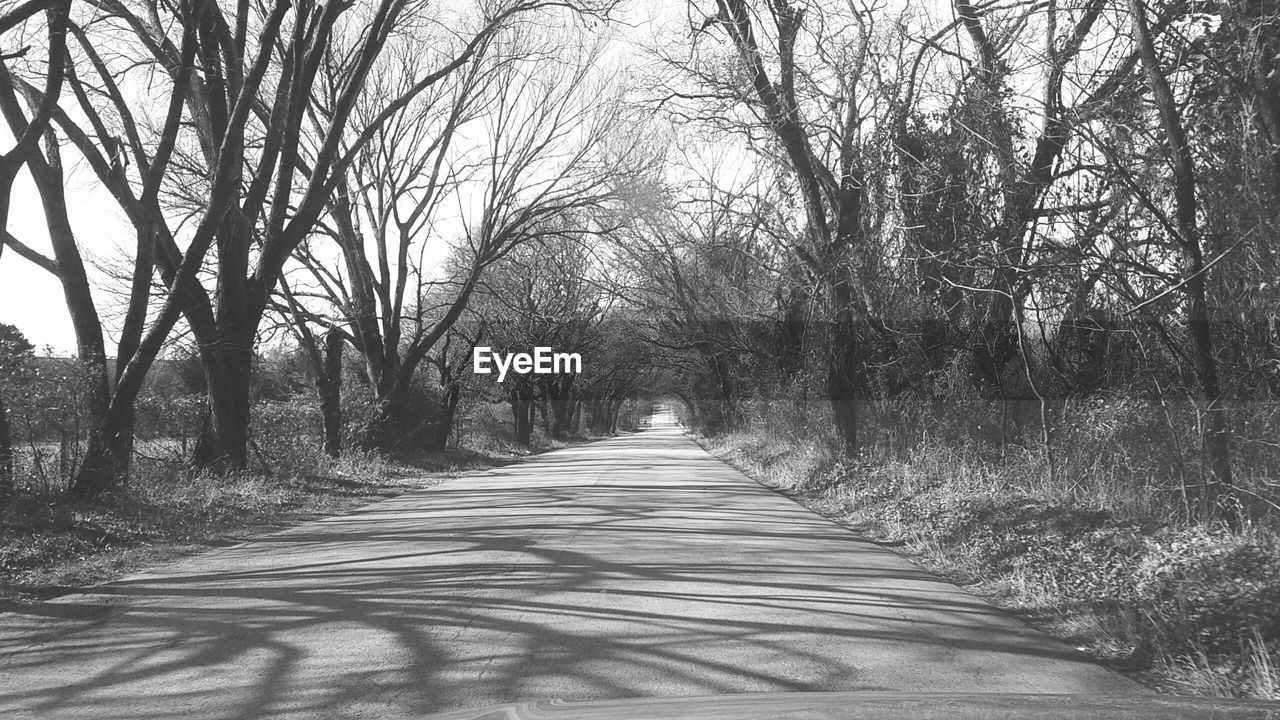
point(640, 566)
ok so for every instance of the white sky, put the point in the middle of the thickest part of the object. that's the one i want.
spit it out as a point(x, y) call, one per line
point(31, 298)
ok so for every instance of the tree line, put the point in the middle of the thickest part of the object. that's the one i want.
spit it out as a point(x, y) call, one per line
point(773, 202)
point(1004, 201)
point(238, 139)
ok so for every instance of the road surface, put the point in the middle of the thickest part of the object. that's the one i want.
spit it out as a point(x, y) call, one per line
point(633, 567)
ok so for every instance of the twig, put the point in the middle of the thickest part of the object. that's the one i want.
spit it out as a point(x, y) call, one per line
point(1183, 281)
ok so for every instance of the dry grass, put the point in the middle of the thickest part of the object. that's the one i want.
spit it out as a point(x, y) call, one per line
point(1100, 552)
point(49, 545)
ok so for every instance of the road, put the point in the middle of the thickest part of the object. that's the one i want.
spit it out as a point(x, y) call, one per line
point(631, 567)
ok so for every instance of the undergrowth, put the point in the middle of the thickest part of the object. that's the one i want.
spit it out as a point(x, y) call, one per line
point(1104, 560)
point(49, 545)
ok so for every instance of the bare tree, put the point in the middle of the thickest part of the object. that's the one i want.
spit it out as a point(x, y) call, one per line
point(28, 131)
point(1186, 235)
point(520, 139)
point(814, 115)
point(550, 294)
point(708, 262)
point(224, 170)
point(1017, 109)
point(218, 103)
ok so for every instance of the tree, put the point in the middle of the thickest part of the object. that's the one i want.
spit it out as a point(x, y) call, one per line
point(978, 183)
point(812, 114)
point(621, 367)
point(520, 139)
point(254, 159)
point(324, 354)
point(15, 351)
point(15, 355)
point(549, 294)
point(451, 363)
point(1184, 231)
point(704, 260)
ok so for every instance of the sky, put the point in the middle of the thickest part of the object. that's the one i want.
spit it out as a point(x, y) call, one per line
point(31, 298)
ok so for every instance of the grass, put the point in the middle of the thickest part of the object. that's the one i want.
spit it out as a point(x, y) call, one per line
point(1094, 553)
point(50, 546)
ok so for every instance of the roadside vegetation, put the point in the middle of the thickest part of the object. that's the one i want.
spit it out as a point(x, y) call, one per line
point(51, 544)
point(1103, 551)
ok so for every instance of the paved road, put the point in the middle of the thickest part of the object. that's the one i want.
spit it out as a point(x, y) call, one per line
point(639, 566)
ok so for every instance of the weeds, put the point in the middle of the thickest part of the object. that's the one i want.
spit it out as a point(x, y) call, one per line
point(47, 543)
point(1106, 557)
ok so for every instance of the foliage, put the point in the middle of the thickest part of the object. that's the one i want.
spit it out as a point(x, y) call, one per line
point(1210, 589)
point(1113, 559)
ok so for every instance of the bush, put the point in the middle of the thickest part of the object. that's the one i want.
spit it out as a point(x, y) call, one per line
point(1211, 589)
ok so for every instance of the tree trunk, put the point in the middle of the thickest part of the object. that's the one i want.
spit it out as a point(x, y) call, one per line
point(107, 457)
point(614, 408)
point(542, 404)
point(224, 445)
point(598, 424)
point(793, 328)
point(329, 386)
point(386, 430)
point(992, 342)
point(844, 379)
point(6, 459)
point(382, 432)
point(522, 413)
point(439, 440)
point(90, 345)
point(726, 407)
point(1215, 440)
point(560, 394)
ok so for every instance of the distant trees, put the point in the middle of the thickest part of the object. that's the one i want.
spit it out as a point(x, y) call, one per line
point(569, 293)
point(15, 356)
point(704, 260)
point(479, 167)
point(789, 60)
point(622, 368)
point(551, 294)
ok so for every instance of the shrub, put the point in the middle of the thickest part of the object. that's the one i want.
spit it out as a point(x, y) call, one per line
point(1211, 589)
